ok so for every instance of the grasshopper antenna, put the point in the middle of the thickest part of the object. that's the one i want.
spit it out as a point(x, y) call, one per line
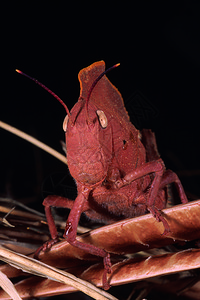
point(47, 89)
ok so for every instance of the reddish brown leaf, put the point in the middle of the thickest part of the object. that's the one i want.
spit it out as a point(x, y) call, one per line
point(126, 271)
point(124, 237)
point(132, 235)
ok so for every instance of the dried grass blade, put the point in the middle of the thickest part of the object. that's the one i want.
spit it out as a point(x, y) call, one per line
point(34, 141)
point(36, 267)
point(8, 287)
point(124, 272)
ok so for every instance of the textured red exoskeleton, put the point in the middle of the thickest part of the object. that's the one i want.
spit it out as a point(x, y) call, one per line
point(118, 171)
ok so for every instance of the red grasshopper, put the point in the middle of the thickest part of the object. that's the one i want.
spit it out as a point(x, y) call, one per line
point(117, 175)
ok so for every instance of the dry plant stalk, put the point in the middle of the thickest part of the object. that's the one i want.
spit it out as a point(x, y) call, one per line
point(33, 141)
point(36, 267)
point(8, 287)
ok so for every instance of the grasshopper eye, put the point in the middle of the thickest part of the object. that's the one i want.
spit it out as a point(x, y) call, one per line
point(65, 123)
point(102, 118)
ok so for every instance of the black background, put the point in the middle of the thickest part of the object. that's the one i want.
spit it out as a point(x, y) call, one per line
point(158, 46)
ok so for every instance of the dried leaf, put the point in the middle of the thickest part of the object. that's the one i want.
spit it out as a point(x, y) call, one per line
point(33, 266)
point(132, 235)
point(125, 237)
point(8, 287)
point(124, 272)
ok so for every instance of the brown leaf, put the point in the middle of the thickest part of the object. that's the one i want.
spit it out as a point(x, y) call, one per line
point(8, 287)
point(38, 268)
point(132, 235)
point(124, 237)
point(124, 272)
